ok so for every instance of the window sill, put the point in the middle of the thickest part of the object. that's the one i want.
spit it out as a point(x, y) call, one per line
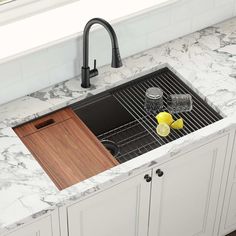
point(60, 24)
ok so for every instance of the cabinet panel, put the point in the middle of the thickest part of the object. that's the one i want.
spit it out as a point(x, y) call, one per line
point(41, 227)
point(121, 210)
point(231, 212)
point(235, 166)
point(184, 200)
point(228, 216)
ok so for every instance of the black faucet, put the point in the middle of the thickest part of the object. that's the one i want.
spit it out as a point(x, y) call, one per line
point(116, 62)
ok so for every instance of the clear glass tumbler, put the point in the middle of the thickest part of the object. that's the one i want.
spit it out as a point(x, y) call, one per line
point(177, 103)
point(153, 100)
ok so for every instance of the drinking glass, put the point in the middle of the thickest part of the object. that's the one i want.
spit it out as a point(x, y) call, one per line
point(153, 100)
point(177, 103)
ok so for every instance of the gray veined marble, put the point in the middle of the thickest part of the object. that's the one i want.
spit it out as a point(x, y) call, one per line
point(205, 60)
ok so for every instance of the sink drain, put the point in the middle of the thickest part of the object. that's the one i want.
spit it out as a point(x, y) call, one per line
point(111, 146)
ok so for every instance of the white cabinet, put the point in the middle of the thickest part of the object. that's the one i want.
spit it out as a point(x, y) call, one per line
point(45, 226)
point(185, 192)
point(182, 199)
point(228, 219)
point(122, 210)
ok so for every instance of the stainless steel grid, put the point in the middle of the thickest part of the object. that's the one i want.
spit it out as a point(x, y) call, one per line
point(132, 139)
point(141, 132)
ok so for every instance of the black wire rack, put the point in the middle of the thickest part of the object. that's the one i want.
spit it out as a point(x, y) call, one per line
point(139, 136)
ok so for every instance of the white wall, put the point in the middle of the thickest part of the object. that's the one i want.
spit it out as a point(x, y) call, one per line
point(63, 61)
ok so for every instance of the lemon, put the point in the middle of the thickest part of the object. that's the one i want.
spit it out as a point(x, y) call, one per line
point(164, 117)
point(178, 124)
point(163, 129)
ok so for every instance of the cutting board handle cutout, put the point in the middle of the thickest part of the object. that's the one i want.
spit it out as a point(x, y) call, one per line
point(44, 123)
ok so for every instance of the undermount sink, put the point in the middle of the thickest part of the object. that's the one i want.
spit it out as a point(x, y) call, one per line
point(109, 120)
point(118, 115)
point(102, 113)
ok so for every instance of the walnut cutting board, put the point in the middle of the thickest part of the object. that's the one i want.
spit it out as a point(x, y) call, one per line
point(66, 149)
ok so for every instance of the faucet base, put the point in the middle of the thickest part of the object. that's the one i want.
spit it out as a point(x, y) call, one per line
point(85, 75)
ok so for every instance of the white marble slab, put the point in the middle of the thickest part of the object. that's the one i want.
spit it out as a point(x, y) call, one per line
point(205, 60)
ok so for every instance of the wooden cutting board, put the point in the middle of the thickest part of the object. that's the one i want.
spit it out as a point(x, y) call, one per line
point(66, 149)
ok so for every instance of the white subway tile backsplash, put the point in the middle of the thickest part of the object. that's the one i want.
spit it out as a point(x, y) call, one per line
point(13, 91)
point(99, 47)
point(234, 9)
point(10, 73)
point(63, 61)
point(36, 82)
point(213, 16)
point(147, 23)
point(61, 53)
point(181, 11)
point(130, 47)
point(201, 6)
point(158, 37)
point(63, 72)
point(223, 2)
point(34, 63)
point(166, 34)
point(79, 58)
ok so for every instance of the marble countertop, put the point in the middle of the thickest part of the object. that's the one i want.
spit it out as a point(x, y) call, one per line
point(205, 60)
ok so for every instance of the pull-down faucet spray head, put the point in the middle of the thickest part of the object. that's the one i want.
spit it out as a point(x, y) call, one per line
point(116, 60)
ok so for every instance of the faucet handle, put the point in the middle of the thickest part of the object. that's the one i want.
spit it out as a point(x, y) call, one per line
point(94, 64)
point(94, 71)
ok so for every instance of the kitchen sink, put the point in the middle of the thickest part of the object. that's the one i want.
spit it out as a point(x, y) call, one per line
point(102, 113)
point(109, 120)
point(118, 115)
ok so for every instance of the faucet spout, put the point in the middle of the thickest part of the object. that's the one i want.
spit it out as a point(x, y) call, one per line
point(116, 62)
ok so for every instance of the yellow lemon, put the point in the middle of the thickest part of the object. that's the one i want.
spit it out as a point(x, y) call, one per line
point(178, 124)
point(163, 129)
point(164, 117)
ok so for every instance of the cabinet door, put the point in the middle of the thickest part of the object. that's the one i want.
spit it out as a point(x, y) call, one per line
point(231, 211)
point(41, 227)
point(184, 199)
point(119, 211)
point(228, 219)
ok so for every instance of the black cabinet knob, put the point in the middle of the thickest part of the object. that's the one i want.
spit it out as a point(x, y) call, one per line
point(148, 178)
point(159, 172)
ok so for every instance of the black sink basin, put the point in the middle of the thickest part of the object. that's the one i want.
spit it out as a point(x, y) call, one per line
point(102, 113)
point(110, 121)
point(118, 115)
